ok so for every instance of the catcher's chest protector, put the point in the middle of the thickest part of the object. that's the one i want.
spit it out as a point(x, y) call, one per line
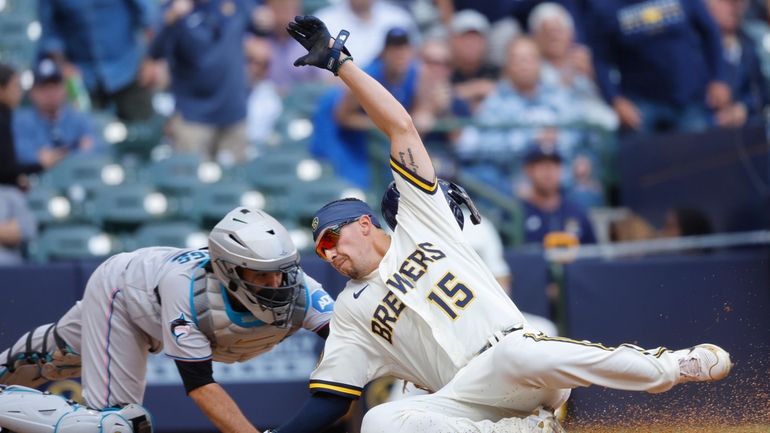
point(234, 336)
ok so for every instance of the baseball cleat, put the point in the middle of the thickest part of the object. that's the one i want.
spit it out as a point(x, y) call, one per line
point(703, 363)
point(544, 421)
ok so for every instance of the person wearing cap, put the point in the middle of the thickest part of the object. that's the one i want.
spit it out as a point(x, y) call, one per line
point(51, 123)
point(546, 210)
point(422, 306)
point(12, 172)
point(473, 77)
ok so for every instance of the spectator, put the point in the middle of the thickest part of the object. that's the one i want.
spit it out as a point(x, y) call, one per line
point(669, 59)
point(368, 22)
point(101, 44)
point(523, 11)
point(264, 105)
point(521, 110)
point(473, 78)
point(203, 44)
point(11, 172)
point(439, 99)
point(545, 209)
point(584, 189)
point(50, 123)
point(744, 73)
point(17, 225)
point(568, 64)
point(342, 140)
point(272, 19)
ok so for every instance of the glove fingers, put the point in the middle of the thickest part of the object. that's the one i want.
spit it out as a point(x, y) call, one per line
point(295, 32)
point(301, 61)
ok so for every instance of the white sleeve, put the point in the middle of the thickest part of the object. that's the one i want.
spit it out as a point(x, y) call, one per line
point(421, 200)
point(486, 242)
point(348, 363)
point(320, 305)
point(182, 339)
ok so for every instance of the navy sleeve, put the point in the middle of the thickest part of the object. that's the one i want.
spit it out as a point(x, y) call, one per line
point(711, 39)
point(319, 413)
point(195, 374)
point(163, 43)
point(601, 40)
point(323, 331)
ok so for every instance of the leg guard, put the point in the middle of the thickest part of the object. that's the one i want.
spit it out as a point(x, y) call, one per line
point(26, 410)
point(39, 356)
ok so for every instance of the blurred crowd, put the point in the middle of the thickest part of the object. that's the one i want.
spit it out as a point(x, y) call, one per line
point(528, 97)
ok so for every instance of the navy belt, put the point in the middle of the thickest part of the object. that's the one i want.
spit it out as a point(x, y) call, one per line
point(497, 336)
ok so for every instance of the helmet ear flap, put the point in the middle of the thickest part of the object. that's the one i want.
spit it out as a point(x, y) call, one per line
point(455, 194)
point(389, 205)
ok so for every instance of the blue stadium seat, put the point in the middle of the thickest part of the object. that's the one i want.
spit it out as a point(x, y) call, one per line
point(85, 171)
point(308, 197)
point(126, 207)
point(69, 242)
point(177, 174)
point(211, 202)
point(180, 234)
point(273, 172)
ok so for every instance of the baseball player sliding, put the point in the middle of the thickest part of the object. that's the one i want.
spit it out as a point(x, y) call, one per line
point(229, 303)
point(421, 305)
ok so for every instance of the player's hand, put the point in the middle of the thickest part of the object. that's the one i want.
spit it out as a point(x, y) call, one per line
point(718, 95)
point(627, 112)
point(312, 34)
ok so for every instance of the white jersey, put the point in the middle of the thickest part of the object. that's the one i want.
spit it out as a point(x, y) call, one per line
point(425, 312)
point(160, 285)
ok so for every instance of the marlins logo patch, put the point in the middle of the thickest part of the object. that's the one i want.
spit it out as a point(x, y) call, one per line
point(180, 327)
point(314, 224)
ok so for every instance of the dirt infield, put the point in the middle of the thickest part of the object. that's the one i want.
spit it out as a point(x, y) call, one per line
point(673, 429)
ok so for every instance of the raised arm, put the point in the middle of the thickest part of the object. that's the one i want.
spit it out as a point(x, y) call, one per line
point(386, 112)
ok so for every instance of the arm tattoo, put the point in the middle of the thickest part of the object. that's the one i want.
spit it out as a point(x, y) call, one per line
point(412, 165)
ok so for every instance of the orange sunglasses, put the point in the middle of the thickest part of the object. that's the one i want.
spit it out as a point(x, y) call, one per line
point(330, 237)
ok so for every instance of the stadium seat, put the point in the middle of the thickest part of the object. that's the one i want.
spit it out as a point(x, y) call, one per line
point(50, 205)
point(273, 172)
point(126, 207)
point(307, 197)
point(136, 139)
point(213, 201)
point(68, 242)
point(78, 171)
point(20, 7)
point(176, 175)
point(179, 234)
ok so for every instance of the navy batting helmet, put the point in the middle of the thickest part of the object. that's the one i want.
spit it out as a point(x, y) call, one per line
point(454, 193)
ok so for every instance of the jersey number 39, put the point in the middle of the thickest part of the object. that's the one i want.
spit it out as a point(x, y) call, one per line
point(450, 295)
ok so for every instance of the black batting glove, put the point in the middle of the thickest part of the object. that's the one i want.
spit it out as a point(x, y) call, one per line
point(312, 34)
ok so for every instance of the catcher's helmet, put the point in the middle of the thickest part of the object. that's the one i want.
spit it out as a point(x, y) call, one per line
point(454, 193)
point(252, 239)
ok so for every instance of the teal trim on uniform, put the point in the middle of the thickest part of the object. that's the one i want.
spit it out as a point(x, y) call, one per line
point(192, 294)
point(58, 421)
point(244, 320)
point(307, 295)
point(12, 389)
point(101, 421)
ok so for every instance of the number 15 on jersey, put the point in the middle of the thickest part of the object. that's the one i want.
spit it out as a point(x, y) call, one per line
point(450, 295)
